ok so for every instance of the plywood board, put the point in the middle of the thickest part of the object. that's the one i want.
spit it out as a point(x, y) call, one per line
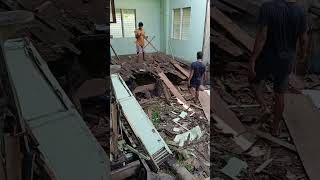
point(233, 29)
point(303, 121)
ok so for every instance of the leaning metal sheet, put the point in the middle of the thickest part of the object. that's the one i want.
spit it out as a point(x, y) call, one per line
point(65, 141)
point(137, 118)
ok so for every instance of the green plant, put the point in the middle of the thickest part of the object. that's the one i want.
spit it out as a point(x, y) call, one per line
point(155, 117)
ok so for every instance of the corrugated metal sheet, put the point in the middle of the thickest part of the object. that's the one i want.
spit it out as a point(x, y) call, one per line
point(64, 139)
point(137, 118)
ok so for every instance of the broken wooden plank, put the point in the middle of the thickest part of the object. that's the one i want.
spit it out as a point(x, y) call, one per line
point(226, 45)
point(273, 139)
point(248, 6)
point(148, 87)
point(204, 99)
point(302, 119)
point(225, 8)
point(174, 90)
point(263, 165)
point(181, 69)
point(232, 28)
point(228, 122)
point(129, 170)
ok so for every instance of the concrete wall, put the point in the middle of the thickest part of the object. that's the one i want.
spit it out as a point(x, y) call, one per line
point(157, 16)
point(187, 49)
point(148, 12)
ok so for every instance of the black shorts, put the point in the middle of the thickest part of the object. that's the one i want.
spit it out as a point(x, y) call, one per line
point(195, 84)
point(280, 70)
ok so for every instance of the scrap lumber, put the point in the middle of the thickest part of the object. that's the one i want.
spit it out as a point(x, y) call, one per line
point(232, 28)
point(302, 119)
point(228, 122)
point(249, 6)
point(173, 89)
point(128, 171)
point(226, 45)
point(225, 8)
point(148, 87)
point(273, 139)
point(204, 99)
point(181, 69)
point(263, 165)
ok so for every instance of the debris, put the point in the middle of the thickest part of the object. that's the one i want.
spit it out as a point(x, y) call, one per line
point(183, 114)
point(176, 129)
point(194, 133)
point(181, 171)
point(176, 120)
point(174, 91)
point(233, 29)
point(273, 139)
point(305, 135)
point(256, 152)
point(263, 165)
point(291, 176)
point(234, 168)
point(204, 99)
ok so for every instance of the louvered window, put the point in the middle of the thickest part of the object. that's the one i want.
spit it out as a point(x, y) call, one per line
point(126, 23)
point(181, 23)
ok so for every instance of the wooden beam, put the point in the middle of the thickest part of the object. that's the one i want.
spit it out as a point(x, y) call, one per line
point(273, 139)
point(204, 99)
point(233, 29)
point(302, 119)
point(226, 45)
point(128, 171)
point(228, 122)
point(173, 89)
point(148, 87)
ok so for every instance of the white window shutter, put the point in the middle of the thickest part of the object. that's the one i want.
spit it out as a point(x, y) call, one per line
point(186, 19)
point(116, 28)
point(129, 22)
point(176, 24)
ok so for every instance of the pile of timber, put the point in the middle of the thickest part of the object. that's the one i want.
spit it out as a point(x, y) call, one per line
point(130, 66)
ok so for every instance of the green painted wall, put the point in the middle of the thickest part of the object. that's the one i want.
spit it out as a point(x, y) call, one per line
point(157, 16)
point(148, 12)
point(187, 49)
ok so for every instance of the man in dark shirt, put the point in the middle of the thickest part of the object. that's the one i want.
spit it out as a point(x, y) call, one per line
point(281, 24)
point(196, 75)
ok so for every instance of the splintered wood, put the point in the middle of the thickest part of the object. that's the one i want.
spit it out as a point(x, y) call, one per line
point(229, 123)
point(233, 29)
point(174, 90)
point(302, 119)
point(204, 99)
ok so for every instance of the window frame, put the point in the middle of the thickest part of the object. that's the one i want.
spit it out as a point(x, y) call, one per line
point(180, 23)
point(122, 27)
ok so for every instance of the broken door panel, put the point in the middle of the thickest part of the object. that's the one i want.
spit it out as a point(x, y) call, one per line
point(65, 141)
point(139, 121)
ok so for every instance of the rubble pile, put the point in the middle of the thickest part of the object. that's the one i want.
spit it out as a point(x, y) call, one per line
point(185, 130)
point(266, 157)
